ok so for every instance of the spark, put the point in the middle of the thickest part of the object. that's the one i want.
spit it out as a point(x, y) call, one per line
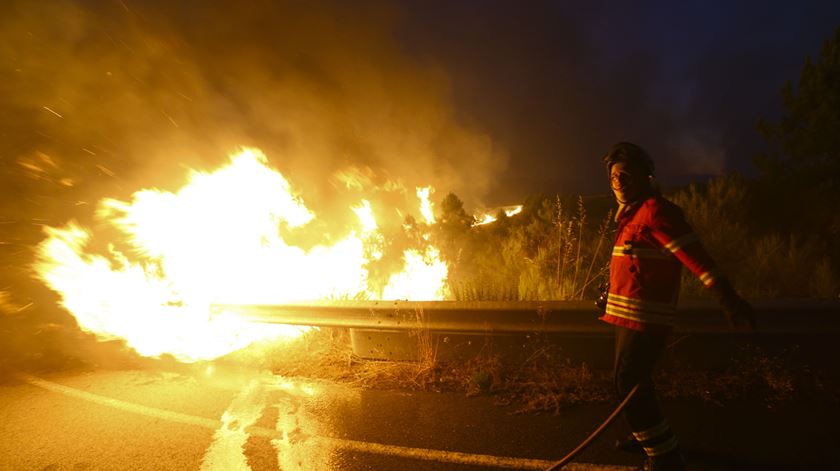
point(125, 6)
point(25, 307)
point(106, 170)
point(52, 111)
point(170, 118)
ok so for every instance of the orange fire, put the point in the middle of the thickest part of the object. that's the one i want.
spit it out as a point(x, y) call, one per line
point(486, 217)
point(217, 240)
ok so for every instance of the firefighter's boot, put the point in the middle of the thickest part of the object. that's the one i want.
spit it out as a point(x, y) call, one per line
point(672, 461)
point(629, 444)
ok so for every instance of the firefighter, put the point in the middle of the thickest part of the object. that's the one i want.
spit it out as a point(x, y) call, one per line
point(653, 242)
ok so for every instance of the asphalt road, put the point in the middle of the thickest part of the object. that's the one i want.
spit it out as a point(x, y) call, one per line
point(241, 420)
point(212, 419)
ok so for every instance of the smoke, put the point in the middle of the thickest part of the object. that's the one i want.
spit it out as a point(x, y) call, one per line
point(123, 94)
point(101, 99)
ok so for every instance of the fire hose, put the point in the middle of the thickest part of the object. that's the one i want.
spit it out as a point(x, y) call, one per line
point(592, 436)
point(606, 423)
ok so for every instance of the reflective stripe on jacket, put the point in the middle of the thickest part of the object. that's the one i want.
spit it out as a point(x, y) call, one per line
point(653, 242)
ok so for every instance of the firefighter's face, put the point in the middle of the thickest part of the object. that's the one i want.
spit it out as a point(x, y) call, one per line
point(627, 182)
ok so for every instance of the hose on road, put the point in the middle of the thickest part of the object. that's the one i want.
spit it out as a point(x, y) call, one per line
point(592, 436)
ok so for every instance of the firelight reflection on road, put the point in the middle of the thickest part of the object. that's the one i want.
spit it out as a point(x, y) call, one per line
point(160, 420)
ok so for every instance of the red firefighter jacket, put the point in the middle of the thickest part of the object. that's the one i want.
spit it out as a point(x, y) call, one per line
point(652, 244)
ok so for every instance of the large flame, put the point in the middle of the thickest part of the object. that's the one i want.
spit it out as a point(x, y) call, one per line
point(217, 241)
point(424, 194)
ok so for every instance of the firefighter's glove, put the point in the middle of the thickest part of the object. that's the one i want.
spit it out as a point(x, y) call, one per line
point(738, 311)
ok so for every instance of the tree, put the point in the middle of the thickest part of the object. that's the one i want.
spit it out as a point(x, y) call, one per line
point(800, 168)
point(807, 138)
point(452, 232)
point(452, 211)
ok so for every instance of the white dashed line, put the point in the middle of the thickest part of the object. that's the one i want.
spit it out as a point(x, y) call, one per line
point(154, 412)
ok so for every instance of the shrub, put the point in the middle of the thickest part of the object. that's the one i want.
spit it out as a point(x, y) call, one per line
point(760, 264)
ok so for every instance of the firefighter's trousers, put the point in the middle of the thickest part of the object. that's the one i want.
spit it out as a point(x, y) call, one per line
point(636, 355)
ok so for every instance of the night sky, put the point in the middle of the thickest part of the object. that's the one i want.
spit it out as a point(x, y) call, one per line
point(559, 82)
point(492, 100)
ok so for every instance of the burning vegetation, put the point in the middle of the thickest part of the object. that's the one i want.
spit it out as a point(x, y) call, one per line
point(224, 238)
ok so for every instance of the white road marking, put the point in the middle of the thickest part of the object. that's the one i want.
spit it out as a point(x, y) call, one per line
point(122, 405)
point(443, 456)
point(227, 450)
point(354, 445)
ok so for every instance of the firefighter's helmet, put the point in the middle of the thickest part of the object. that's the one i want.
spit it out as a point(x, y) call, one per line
point(631, 154)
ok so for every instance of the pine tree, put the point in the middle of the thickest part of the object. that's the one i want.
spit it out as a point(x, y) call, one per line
point(801, 169)
point(806, 140)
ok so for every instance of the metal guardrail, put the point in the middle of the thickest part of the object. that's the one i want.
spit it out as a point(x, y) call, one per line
point(557, 317)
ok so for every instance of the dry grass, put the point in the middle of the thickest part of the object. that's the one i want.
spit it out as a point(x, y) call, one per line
point(547, 381)
point(754, 375)
point(557, 256)
point(542, 381)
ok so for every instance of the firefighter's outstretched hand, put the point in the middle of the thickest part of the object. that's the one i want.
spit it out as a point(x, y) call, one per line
point(738, 312)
